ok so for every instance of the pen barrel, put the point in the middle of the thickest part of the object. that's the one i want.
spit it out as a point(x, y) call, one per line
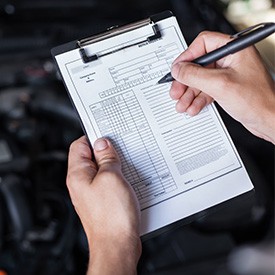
point(236, 45)
point(211, 57)
point(250, 38)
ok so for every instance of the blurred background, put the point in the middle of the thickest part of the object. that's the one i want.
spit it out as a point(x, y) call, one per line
point(39, 230)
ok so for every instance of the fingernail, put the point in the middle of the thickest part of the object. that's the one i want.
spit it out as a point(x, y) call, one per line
point(100, 144)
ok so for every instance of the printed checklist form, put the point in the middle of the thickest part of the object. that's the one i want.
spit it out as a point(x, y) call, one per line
point(177, 165)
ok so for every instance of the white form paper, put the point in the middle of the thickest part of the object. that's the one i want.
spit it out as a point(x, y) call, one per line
point(178, 165)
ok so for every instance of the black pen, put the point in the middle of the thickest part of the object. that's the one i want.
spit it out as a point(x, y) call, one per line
point(242, 40)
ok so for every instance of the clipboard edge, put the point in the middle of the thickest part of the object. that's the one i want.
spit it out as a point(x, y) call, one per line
point(249, 194)
point(66, 47)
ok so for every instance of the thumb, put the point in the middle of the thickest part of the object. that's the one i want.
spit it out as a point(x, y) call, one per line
point(105, 155)
point(195, 76)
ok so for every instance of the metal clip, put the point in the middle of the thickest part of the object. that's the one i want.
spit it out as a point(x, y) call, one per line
point(249, 29)
point(112, 32)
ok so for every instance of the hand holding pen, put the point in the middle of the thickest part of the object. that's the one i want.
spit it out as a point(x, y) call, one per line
point(242, 40)
point(239, 82)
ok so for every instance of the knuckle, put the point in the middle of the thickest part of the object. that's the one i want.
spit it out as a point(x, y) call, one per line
point(76, 146)
point(181, 106)
point(109, 159)
point(204, 34)
point(188, 74)
point(184, 73)
point(200, 102)
point(79, 148)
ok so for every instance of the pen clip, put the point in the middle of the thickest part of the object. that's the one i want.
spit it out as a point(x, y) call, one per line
point(249, 29)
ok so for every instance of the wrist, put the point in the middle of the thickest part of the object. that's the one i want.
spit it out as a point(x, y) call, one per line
point(269, 122)
point(114, 256)
point(265, 123)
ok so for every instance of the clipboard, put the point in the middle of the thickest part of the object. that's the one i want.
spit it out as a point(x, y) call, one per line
point(178, 165)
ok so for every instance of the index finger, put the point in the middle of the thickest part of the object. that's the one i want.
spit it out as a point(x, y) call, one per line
point(205, 42)
point(81, 168)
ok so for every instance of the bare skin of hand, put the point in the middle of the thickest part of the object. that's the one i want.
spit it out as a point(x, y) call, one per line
point(240, 84)
point(107, 207)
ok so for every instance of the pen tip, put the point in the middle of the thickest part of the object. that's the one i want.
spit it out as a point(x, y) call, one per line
point(162, 80)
